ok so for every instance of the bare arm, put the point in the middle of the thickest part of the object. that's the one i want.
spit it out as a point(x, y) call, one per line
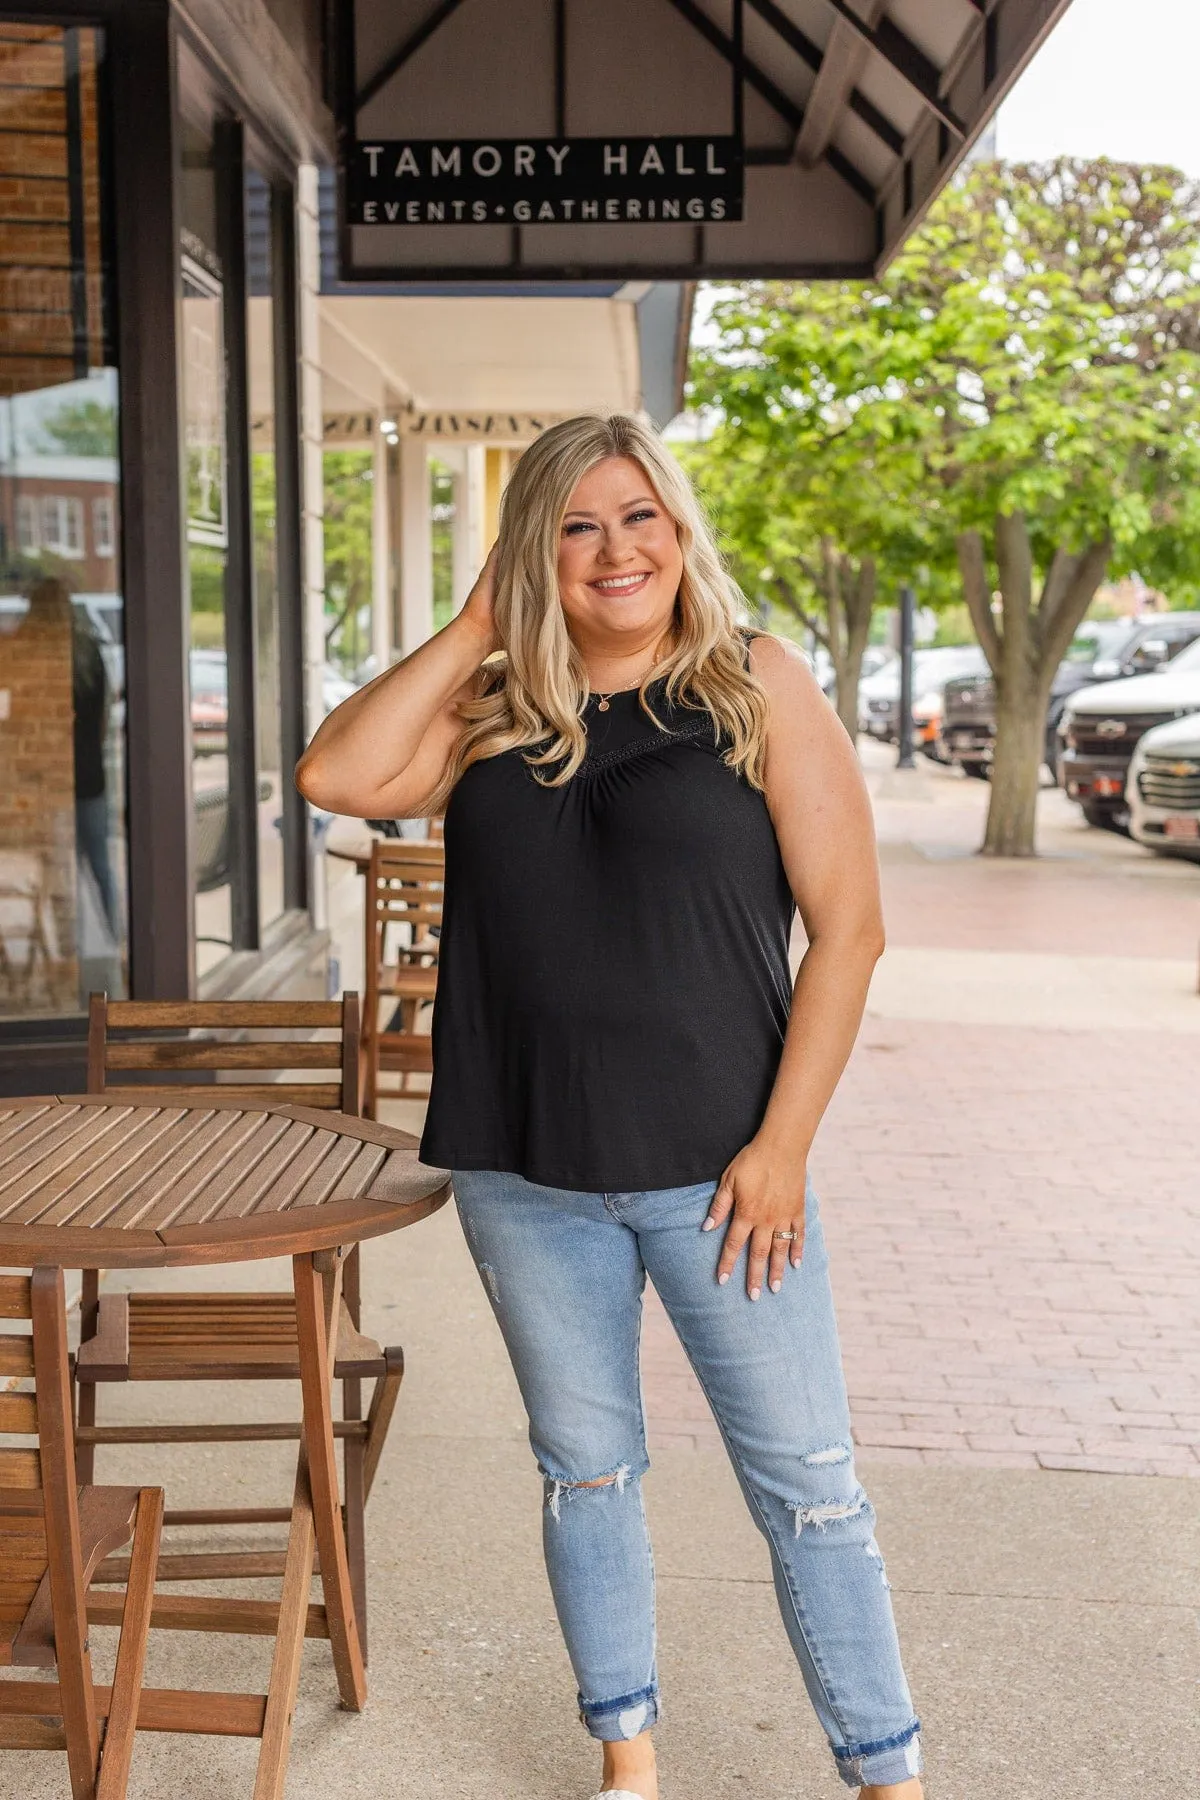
point(382, 752)
point(822, 817)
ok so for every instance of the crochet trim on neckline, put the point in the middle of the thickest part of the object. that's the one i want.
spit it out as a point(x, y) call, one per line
point(643, 745)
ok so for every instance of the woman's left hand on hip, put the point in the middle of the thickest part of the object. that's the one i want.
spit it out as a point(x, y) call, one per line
point(761, 1194)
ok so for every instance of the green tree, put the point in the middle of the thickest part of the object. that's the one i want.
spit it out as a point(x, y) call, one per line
point(806, 528)
point(81, 428)
point(1028, 365)
point(349, 492)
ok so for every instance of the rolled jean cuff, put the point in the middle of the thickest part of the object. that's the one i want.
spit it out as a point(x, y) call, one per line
point(884, 1764)
point(614, 1720)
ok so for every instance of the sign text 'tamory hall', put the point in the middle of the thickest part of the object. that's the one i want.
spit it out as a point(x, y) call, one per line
point(544, 181)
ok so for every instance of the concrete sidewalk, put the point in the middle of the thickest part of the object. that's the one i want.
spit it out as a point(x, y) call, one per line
point(1048, 1620)
point(1013, 1208)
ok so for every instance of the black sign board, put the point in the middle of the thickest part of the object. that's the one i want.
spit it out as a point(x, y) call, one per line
point(618, 181)
point(655, 140)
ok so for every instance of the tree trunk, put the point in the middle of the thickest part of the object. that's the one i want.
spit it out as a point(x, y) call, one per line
point(847, 594)
point(1024, 649)
point(1016, 765)
point(858, 603)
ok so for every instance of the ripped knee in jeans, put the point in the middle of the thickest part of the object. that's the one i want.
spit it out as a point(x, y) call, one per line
point(561, 1489)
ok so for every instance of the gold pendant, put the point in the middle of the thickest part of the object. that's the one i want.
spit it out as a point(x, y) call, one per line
point(603, 706)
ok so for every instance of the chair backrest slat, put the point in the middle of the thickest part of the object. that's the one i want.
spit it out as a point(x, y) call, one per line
point(129, 1039)
point(18, 1414)
point(14, 1296)
point(20, 1466)
point(225, 1014)
point(404, 894)
point(16, 1355)
point(201, 1053)
point(20, 1469)
point(60, 1511)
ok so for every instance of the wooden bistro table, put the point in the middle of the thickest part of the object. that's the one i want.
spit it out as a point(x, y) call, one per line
point(107, 1183)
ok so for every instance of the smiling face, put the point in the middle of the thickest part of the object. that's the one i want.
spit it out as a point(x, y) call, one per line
point(619, 561)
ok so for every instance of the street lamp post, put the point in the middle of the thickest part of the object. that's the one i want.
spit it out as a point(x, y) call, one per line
point(908, 609)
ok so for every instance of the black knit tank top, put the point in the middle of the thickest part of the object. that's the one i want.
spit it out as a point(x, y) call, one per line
point(614, 983)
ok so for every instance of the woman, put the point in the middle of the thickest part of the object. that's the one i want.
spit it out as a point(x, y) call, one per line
point(638, 796)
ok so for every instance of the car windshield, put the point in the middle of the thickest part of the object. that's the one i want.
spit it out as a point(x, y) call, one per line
point(1100, 637)
point(210, 674)
point(947, 661)
point(1187, 660)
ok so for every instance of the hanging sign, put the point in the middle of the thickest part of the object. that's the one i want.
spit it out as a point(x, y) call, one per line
point(544, 181)
point(477, 426)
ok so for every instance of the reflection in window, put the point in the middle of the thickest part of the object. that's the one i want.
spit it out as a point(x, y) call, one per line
point(62, 673)
point(207, 528)
point(260, 345)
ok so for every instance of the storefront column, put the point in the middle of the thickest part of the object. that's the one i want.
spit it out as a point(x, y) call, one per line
point(470, 542)
point(381, 558)
point(416, 546)
point(312, 428)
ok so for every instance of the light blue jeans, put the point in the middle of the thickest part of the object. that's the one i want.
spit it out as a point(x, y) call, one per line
point(565, 1272)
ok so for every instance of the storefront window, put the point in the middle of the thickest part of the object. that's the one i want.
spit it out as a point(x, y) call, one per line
point(63, 883)
point(207, 546)
point(260, 344)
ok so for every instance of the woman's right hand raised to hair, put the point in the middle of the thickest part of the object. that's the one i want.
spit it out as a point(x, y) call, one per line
point(383, 753)
point(479, 607)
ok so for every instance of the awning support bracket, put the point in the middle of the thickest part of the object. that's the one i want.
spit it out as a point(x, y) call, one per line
point(901, 54)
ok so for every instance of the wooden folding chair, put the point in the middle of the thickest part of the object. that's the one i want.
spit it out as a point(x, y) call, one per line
point(403, 925)
point(53, 1536)
point(189, 1336)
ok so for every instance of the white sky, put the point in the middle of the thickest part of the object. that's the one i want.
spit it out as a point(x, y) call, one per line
point(1117, 78)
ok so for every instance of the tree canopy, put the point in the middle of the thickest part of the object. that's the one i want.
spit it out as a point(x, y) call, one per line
point(1030, 357)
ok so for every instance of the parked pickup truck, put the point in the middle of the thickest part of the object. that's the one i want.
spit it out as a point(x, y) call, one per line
point(1101, 725)
point(1164, 788)
point(879, 695)
point(1102, 650)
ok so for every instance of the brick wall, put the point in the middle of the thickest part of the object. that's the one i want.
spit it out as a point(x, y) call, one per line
point(39, 971)
point(44, 338)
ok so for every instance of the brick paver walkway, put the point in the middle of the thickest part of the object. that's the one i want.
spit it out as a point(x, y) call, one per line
point(1013, 1214)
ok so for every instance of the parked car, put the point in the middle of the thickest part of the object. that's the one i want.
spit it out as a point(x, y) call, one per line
point(1101, 650)
point(209, 671)
point(879, 695)
point(875, 656)
point(1101, 725)
point(1164, 788)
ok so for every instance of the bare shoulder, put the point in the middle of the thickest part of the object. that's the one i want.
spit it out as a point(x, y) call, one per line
point(792, 689)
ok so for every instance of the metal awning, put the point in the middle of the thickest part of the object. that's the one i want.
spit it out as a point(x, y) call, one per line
point(829, 124)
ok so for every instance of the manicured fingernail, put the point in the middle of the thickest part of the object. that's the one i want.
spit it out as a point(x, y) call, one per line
point(755, 1292)
point(721, 1280)
point(708, 1224)
point(776, 1285)
point(795, 1262)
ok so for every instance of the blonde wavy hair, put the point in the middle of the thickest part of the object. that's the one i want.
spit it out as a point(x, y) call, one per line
point(534, 695)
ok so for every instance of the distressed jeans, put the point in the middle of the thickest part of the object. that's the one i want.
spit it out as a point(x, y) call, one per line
point(565, 1272)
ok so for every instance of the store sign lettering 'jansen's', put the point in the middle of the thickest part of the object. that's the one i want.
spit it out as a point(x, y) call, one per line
point(542, 181)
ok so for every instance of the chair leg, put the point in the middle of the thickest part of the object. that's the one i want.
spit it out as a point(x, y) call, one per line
point(85, 1454)
point(117, 1752)
point(379, 1418)
point(355, 1525)
point(89, 1313)
point(352, 1455)
point(370, 1075)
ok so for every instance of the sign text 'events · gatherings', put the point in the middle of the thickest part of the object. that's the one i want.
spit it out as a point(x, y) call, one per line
point(545, 181)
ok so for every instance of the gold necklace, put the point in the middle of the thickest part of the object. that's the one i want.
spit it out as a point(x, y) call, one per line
point(605, 698)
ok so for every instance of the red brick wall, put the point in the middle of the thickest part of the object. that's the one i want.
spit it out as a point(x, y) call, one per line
point(36, 342)
point(39, 971)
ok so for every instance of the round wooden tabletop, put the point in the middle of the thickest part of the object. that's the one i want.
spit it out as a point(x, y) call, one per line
point(100, 1182)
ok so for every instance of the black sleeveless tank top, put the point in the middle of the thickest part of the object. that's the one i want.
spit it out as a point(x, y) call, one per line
point(614, 984)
